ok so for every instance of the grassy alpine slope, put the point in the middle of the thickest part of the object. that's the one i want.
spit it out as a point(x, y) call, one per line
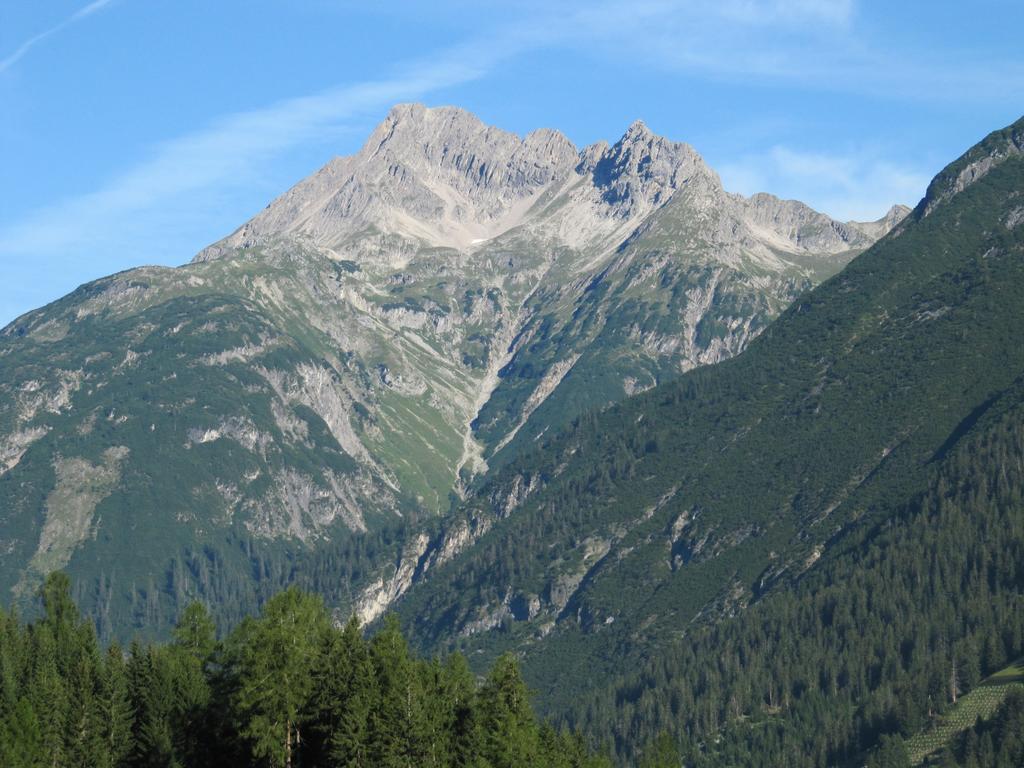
point(697, 500)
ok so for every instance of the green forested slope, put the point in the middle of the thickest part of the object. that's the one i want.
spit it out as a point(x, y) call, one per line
point(865, 644)
point(159, 425)
point(694, 501)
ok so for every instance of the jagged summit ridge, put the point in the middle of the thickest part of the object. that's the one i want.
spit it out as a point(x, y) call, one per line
point(642, 170)
point(440, 177)
point(453, 144)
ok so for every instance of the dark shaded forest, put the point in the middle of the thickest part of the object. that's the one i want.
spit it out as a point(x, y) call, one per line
point(867, 648)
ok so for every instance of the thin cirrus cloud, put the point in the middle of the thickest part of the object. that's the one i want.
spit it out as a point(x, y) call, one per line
point(146, 206)
point(206, 164)
point(30, 43)
point(816, 45)
point(857, 185)
point(787, 11)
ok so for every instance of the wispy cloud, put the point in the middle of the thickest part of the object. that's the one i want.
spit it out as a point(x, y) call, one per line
point(90, 9)
point(813, 44)
point(857, 185)
point(194, 172)
point(785, 11)
point(25, 47)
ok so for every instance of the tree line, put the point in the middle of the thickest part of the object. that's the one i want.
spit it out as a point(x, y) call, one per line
point(286, 689)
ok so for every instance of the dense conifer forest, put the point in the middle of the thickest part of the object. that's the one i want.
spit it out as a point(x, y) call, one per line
point(285, 689)
point(865, 650)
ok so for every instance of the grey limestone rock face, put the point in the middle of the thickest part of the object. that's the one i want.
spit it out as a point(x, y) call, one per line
point(642, 171)
point(441, 178)
point(436, 175)
point(804, 227)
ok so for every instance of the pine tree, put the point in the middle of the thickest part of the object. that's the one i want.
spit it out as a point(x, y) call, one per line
point(152, 698)
point(891, 753)
point(346, 695)
point(278, 655)
point(84, 737)
point(12, 661)
point(464, 726)
point(194, 644)
point(662, 753)
point(47, 694)
point(116, 709)
point(22, 742)
point(432, 727)
point(510, 737)
point(390, 721)
point(61, 616)
point(195, 633)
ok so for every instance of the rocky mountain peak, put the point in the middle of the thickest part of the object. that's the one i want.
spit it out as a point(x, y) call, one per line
point(892, 218)
point(643, 170)
point(591, 155)
point(895, 215)
point(452, 146)
point(435, 176)
point(807, 229)
point(441, 177)
point(637, 130)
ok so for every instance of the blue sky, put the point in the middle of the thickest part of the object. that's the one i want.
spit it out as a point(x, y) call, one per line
point(136, 131)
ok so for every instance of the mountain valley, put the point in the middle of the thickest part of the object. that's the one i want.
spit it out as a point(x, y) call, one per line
point(361, 351)
point(715, 469)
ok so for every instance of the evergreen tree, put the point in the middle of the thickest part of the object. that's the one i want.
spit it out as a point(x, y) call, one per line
point(394, 719)
point(22, 742)
point(278, 656)
point(152, 697)
point(61, 617)
point(47, 694)
point(117, 715)
point(662, 753)
point(193, 645)
point(464, 738)
point(891, 753)
point(347, 694)
point(12, 660)
point(195, 633)
point(84, 738)
point(510, 731)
